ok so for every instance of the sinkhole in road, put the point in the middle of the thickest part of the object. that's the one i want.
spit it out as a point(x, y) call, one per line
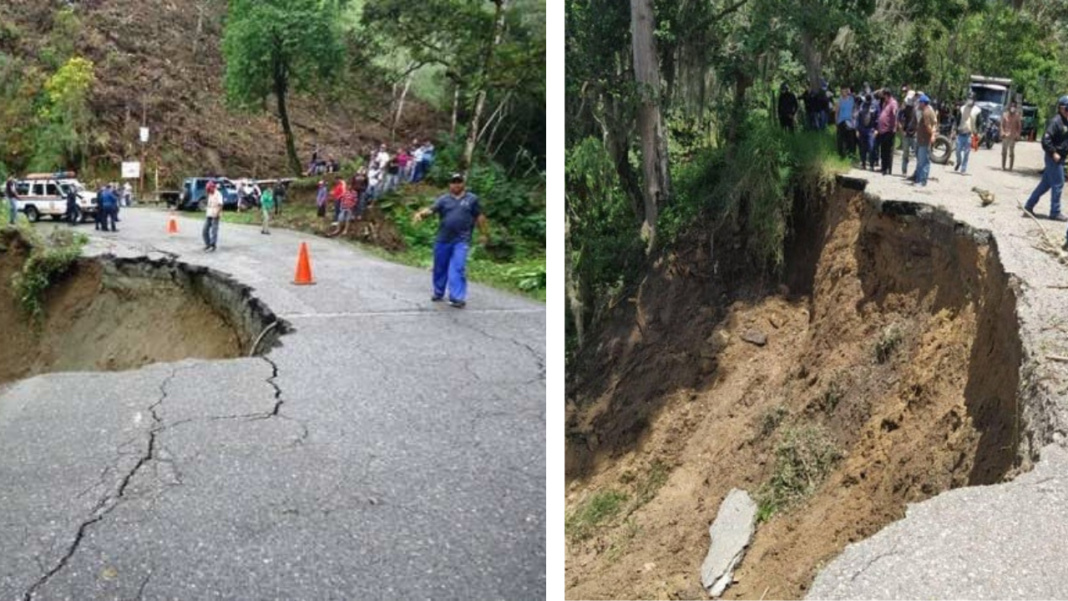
point(885, 369)
point(112, 314)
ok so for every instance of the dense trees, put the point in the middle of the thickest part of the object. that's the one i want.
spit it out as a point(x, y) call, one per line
point(712, 70)
point(275, 46)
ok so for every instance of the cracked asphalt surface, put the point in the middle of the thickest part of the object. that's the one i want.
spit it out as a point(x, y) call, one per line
point(388, 448)
point(1010, 540)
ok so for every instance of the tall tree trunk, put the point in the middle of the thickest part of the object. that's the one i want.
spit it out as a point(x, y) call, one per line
point(812, 58)
point(455, 107)
point(400, 108)
point(650, 124)
point(280, 88)
point(484, 71)
point(574, 285)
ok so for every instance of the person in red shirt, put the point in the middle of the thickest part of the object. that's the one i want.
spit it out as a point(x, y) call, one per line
point(348, 207)
point(336, 193)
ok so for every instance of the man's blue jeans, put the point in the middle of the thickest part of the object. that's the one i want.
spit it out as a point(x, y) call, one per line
point(1052, 181)
point(450, 269)
point(908, 147)
point(964, 148)
point(12, 211)
point(923, 163)
point(211, 232)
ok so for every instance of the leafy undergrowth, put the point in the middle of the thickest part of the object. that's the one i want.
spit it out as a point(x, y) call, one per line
point(516, 266)
point(49, 259)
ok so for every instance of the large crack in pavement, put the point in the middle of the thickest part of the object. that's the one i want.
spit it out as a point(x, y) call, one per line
point(111, 501)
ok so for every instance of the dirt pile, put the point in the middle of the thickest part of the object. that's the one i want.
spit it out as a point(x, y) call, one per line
point(123, 314)
point(893, 346)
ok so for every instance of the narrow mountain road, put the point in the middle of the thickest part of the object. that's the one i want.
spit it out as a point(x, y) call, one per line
point(390, 447)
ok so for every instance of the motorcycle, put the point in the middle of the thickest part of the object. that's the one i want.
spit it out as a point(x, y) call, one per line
point(991, 132)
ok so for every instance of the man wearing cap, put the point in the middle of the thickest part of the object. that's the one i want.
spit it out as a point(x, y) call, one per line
point(926, 126)
point(1055, 145)
point(459, 213)
point(214, 212)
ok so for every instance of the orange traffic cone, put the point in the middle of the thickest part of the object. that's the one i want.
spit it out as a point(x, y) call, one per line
point(172, 225)
point(304, 273)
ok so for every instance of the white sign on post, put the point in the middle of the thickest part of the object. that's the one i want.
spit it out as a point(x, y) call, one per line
point(144, 135)
point(131, 170)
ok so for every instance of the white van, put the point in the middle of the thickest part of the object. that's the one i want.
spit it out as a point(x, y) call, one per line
point(46, 194)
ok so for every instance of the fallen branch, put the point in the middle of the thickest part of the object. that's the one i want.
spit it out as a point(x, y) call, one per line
point(1050, 247)
point(1057, 358)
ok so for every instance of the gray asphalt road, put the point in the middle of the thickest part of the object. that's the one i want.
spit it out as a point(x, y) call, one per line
point(1008, 541)
point(406, 458)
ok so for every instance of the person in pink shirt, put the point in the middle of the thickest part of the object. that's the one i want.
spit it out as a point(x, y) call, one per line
point(887, 131)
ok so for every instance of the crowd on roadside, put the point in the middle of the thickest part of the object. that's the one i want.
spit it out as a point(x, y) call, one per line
point(346, 201)
point(868, 123)
point(871, 122)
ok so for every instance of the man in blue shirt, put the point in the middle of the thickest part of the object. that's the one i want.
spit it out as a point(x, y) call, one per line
point(109, 208)
point(846, 127)
point(459, 213)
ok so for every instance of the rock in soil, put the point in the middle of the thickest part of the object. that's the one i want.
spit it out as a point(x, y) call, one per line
point(730, 534)
point(755, 337)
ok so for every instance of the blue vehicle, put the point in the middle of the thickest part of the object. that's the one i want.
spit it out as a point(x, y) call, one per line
point(194, 196)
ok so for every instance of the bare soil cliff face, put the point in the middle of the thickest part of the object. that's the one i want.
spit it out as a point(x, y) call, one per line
point(896, 336)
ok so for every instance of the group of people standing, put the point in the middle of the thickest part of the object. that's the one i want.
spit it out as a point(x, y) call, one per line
point(384, 173)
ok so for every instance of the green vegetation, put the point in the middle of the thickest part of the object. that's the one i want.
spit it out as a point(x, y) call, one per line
point(278, 46)
point(771, 419)
point(45, 117)
point(832, 395)
point(888, 341)
point(49, 260)
point(804, 457)
point(593, 513)
point(672, 132)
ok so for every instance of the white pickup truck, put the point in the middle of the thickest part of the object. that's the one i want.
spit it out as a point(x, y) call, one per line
point(46, 194)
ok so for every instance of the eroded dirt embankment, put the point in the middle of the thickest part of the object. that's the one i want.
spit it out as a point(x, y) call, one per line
point(895, 335)
point(115, 314)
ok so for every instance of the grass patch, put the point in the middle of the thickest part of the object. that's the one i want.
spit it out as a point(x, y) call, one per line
point(593, 513)
point(630, 531)
point(803, 458)
point(832, 395)
point(654, 480)
point(771, 419)
point(50, 258)
point(889, 340)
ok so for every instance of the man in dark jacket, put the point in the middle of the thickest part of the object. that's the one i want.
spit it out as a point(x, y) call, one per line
point(787, 108)
point(1055, 145)
point(72, 205)
point(12, 197)
point(109, 207)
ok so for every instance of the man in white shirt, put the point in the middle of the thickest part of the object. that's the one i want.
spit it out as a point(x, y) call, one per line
point(969, 123)
point(214, 213)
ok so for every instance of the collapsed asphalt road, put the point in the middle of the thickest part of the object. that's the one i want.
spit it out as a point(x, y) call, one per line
point(389, 448)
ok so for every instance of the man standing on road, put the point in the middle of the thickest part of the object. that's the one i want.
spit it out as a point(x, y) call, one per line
point(459, 213)
point(846, 126)
point(1055, 145)
point(926, 125)
point(887, 132)
point(12, 198)
point(109, 208)
point(968, 124)
point(906, 124)
point(72, 206)
point(1010, 133)
point(266, 207)
point(214, 213)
